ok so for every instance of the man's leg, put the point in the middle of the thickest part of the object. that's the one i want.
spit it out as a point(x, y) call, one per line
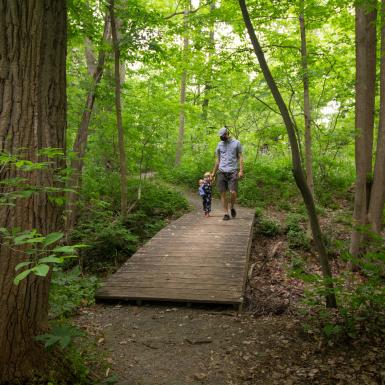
point(233, 198)
point(223, 188)
point(233, 192)
point(224, 201)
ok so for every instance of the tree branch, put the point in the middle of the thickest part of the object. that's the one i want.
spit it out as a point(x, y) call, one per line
point(184, 12)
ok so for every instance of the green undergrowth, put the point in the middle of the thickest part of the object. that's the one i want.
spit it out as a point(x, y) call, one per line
point(269, 181)
point(111, 239)
point(69, 290)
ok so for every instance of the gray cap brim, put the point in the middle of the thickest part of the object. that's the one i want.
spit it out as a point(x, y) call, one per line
point(222, 131)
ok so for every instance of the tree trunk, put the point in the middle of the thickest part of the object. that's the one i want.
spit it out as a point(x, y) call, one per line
point(298, 173)
point(207, 88)
point(306, 105)
point(32, 117)
point(80, 144)
point(365, 93)
point(118, 107)
point(182, 99)
point(377, 193)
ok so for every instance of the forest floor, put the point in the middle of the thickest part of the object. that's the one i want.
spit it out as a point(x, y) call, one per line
point(169, 344)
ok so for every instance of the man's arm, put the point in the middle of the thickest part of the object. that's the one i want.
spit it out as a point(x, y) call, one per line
point(240, 174)
point(215, 167)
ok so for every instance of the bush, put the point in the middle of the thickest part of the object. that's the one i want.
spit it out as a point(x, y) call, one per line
point(267, 183)
point(112, 240)
point(109, 241)
point(69, 290)
point(295, 233)
point(267, 227)
point(360, 299)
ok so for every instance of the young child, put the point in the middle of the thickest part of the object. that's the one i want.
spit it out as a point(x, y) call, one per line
point(205, 193)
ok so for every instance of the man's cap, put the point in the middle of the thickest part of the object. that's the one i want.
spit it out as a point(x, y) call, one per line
point(223, 131)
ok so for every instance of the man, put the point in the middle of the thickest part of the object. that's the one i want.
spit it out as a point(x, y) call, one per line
point(228, 153)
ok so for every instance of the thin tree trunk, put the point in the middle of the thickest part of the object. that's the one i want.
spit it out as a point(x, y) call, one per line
point(80, 144)
point(377, 193)
point(208, 86)
point(306, 105)
point(32, 117)
point(118, 106)
point(365, 93)
point(297, 167)
point(182, 98)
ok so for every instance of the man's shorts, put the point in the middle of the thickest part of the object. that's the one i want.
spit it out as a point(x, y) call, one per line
point(227, 181)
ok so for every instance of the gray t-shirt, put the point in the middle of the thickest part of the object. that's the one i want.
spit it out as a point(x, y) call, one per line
point(228, 155)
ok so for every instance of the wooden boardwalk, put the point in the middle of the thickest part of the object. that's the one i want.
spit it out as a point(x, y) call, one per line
point(194, 259)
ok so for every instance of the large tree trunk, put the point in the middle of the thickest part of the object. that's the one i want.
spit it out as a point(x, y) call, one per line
point(298, 173)
point(377, 194)
point(182, 98)
point(208, 86)
point(32, 117)
point(118, 107)
point(306, 105)
point(80, 144)
point(365, 93)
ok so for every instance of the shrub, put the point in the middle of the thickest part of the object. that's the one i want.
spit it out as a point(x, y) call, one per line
point(69, 290)
point(295, 233)
point(268, 227)
point(109, 241)
point(112, 240)
point(360, 298)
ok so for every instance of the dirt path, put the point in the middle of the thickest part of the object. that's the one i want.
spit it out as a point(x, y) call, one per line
point(168, 344)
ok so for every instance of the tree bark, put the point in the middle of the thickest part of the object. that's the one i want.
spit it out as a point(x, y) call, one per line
point(365, 93)
point(298, 173)
point(80, 145)
point(306, 105)
point(182, 98)
point(377, 193)
point(208, 86)
point(32, 117)
point(118, 107)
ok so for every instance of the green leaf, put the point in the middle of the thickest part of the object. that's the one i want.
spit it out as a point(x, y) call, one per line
point(51, 238)
point(59, 334)
point(41, 270)
point(25, 193)
point(35, 240)
point(22, 264)
point(64, 341)
point(64, 249)
point(21, 239)
point(51, 259)
point(48, 339)
point(21, 276)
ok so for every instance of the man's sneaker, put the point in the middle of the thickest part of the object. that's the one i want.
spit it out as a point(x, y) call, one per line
point(226, 217)
point(233, 213)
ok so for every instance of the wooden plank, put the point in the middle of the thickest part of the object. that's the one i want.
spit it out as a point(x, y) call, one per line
point(181, 275)
point(157, 295)
point(194, 255)
point(180, 256)
point(187, 264)
point(189, 286)
point(204, 282)
point(160, 267)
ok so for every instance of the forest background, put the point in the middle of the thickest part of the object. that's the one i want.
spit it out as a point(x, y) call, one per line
point(149, 83)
